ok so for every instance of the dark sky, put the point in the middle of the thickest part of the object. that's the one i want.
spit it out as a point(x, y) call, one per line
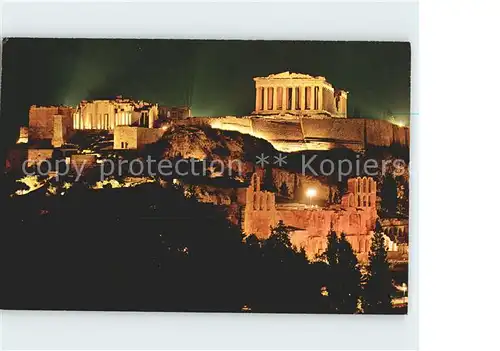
point(214, 77)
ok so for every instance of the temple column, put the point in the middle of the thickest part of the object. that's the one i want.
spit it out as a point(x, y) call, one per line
point(275, 98)
point(265, 98)
point(257, 99)
point(302, 97)
point(320, 98)
point(313, 97)
point(283, 98)
point(294, 97)
point(345, 107)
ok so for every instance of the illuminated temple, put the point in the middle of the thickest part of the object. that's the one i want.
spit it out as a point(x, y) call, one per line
point(293, 111)
point(297, 93)
point(107, 114)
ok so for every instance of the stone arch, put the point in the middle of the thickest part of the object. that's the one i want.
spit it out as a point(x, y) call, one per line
point(358, 184)
point(351, 200)
point(361, 245)
point(269, 202)
point(369, 201)
point(365, 185)
point(262, 202)
point(358, 203)
point(255, 182)
point(365, 203)
point(255, 201)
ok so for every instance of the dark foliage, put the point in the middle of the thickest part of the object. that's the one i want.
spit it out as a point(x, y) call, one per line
point(378, 289)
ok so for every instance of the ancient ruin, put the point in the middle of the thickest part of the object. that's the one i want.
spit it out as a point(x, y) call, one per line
point(294, 112)
point(106, 114)
point(299, 94)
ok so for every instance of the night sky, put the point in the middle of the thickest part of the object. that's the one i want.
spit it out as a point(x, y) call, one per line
point(214, 77)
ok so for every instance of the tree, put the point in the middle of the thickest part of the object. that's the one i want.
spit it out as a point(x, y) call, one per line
point(389, 194)
point(349, 277)
point(278, 276)
point(378, 288)
point(343, 286)
point(331, 253)
point(280, 237)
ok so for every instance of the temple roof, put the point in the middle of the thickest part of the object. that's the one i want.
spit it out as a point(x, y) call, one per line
point(290, 75)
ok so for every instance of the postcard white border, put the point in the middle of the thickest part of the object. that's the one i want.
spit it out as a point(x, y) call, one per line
point(387, 21)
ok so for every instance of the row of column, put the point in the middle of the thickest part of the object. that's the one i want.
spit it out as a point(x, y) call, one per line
point(266, 98)
point(103, 121)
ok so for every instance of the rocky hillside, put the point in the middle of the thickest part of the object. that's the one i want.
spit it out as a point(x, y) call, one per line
point(202, 142)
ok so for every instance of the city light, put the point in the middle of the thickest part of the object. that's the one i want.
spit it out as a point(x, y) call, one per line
point(310, 193)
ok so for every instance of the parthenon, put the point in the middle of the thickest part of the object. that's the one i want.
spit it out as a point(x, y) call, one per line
point(301, 94)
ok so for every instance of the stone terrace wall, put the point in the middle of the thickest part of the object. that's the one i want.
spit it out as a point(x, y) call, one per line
point(379, 132)
point(311, 133)
point(135, 137)
point(334, 128)
point(35, 156)
point(239, 124)
point(148, 136)
point(277, 130)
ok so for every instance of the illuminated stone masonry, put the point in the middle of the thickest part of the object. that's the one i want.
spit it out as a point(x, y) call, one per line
point(293, 111)
point(310, 225)
point(107, 114)
point(298, 94)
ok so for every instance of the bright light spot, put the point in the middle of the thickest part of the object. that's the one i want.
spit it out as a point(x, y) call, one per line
point(164, 128)
point(324, 291)
point(311, 192)
point(246, 308)
point(399, 123)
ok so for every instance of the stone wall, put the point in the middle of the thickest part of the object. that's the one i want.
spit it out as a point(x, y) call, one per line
point(23, 135)
point(83, 161)
point(275, 130)
point(313, 226)
point(289, 133)
point(379, 132)
point(41, 120)
point(127, 137)
point(309, 225)
point(259, 210)
point(58, 131)
point(239, 124)
point(35, 156)
point(148, 136)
